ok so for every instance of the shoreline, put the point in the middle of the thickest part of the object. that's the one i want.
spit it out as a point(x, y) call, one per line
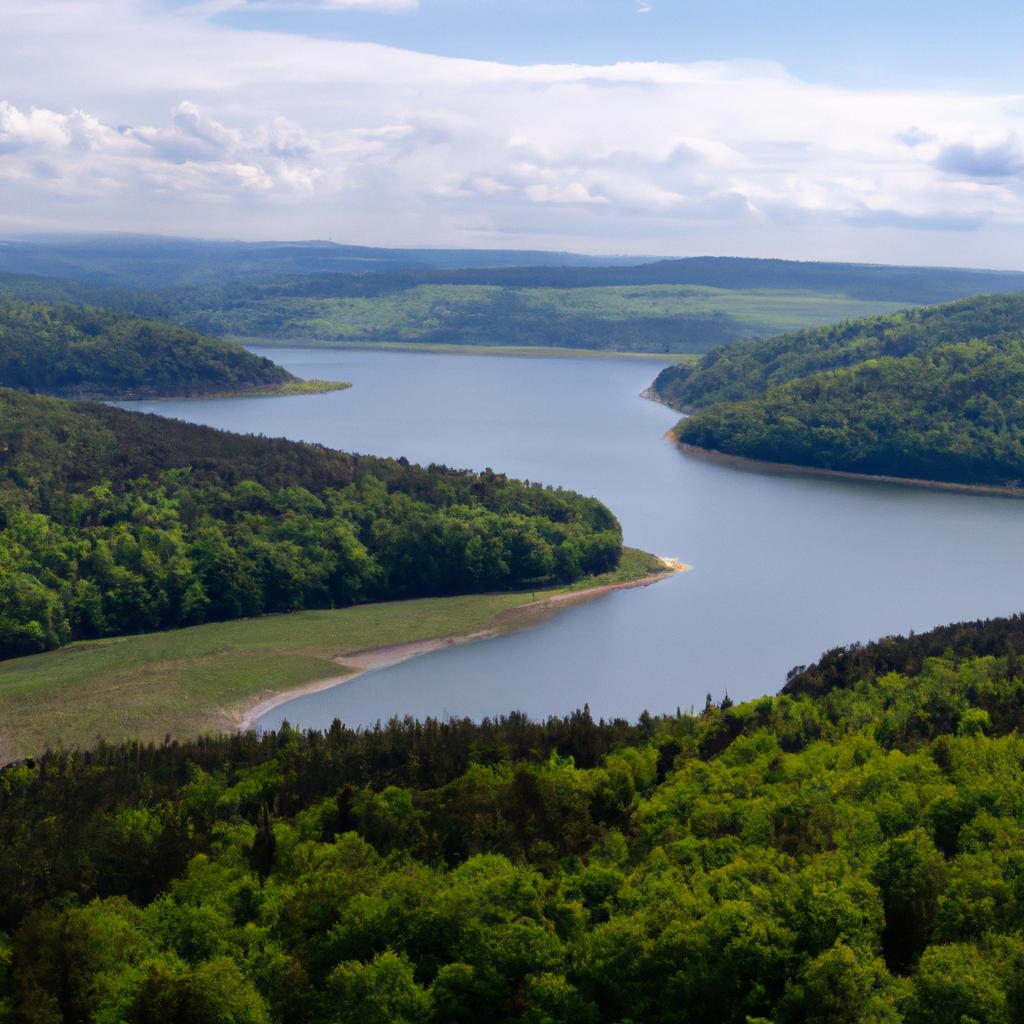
point(439, 348)
point(745, 462)
point(285, 390)
point(511, 621)
point(652, 396)
point(751, 465)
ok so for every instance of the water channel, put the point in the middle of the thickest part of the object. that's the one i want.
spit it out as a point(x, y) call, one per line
point(783, 567)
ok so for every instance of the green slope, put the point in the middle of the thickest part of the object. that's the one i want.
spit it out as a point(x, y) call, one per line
point(114, 522)
point(932, 394)
point(83, 351)
point(636, 318)
point(326, 294)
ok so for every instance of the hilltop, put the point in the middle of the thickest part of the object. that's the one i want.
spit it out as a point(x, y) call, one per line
point(323, 293)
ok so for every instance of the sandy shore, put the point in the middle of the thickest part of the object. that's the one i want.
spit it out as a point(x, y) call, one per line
point(791, 469)
point(359, 662)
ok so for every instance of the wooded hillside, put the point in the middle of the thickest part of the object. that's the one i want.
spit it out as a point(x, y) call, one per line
point(114, 522)
point(87, 352)
point(934, 394)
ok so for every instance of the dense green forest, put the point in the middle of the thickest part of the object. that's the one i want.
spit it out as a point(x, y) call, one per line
point(153, 263)
point(655, 319)
point(666, 306)
point(851, 855)
point(930, 393)
point(87, 352)
point(114, 522)
point(316, 291)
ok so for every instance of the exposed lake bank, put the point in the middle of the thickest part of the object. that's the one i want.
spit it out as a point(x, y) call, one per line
point(786, 566)
point(512, 620)
point(794, 469)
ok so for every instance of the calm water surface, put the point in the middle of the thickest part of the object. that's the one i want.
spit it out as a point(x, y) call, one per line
point(783, 567)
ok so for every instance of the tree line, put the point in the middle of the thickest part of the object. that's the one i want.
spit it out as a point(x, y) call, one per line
point(854, 855)
point(114, 522)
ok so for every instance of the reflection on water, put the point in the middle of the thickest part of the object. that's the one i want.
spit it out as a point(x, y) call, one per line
point(783, 567)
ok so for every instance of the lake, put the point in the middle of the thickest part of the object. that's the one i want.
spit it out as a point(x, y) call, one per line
point(783, 567)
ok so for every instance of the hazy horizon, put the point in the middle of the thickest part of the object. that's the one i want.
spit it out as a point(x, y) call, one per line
point(28, 236)
point(871, 135)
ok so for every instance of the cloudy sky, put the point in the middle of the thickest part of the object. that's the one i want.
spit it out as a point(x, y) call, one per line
point(888, 132)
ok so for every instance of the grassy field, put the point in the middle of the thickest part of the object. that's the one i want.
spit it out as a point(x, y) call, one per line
point(188, 681)
point(635, 318)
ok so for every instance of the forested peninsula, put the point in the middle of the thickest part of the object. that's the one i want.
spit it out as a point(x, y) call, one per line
point(114, 522)
point(931, 394)
point(851, 850)
point(77, 351)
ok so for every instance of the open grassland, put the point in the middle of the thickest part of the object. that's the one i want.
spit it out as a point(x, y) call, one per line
point(190, 681)
point(631, 318)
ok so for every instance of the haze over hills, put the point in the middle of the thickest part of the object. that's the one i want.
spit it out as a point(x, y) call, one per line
point(329, 294)
point(158, 262)
point(155, 261)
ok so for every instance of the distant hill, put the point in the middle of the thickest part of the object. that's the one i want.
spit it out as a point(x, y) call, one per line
point(668, 306)
point(912, 285)
point(935, 394)
point(155, 262)
point(329, 294)
point(83, 351)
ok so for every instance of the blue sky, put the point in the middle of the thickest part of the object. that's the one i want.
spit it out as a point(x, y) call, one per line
point(867, 43)
point(882, 132)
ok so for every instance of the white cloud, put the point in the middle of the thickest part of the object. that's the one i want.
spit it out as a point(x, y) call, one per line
point(256, 134)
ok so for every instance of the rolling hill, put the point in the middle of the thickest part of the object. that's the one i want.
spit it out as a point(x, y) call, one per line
point(933, 394)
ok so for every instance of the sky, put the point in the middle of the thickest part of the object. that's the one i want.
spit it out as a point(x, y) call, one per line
point(881, 132)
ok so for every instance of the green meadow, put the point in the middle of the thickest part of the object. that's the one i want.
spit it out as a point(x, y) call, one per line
point(623, 318)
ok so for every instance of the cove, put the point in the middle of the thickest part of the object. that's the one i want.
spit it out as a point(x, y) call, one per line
point(783, 567)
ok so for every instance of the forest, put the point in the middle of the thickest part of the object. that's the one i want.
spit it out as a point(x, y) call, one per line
point(114, 522)
point(326, 293)
point(930, 394)
point(849, 851)
point(86, 352)
point(155, 264)
point(686, 305)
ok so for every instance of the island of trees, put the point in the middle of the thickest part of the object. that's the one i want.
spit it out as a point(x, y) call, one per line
point(849, 851)
point(934, 394)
